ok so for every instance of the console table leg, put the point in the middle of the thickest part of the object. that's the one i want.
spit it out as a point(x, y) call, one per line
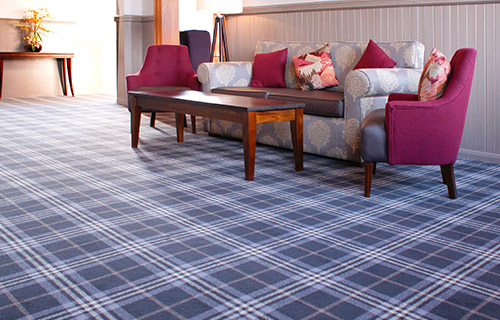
point(297, 139)
point(179, 121)
point(1, 77)
point(61, 67)
point(70, 76)
point(135, 120)
point(249, 144)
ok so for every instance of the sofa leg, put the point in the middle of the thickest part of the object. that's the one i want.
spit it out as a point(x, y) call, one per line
point(448, 175)
point(193, 124)
point(152, 120)
point(369, 168)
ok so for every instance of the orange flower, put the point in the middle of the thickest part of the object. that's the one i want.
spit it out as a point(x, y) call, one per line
point(33, 23)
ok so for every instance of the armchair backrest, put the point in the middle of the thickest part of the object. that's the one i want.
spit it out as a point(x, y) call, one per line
point(164, 65)
point(430, 132)
point(198, 44)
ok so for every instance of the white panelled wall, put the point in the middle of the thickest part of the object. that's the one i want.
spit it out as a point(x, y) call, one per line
point(447, 27)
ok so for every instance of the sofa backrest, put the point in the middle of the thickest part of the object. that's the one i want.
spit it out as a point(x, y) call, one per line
point(345, 55)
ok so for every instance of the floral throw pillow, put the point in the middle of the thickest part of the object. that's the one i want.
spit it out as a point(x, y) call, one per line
point(434, 77)
point(315, 70)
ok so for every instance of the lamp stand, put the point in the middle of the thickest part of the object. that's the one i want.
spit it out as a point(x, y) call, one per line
point(220, 31)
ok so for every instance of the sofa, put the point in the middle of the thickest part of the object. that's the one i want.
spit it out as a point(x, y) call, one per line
point(332, 116)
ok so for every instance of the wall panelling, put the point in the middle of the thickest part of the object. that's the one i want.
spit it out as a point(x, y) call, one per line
point(446, 25)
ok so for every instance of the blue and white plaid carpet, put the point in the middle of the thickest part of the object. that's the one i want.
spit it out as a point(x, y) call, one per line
point(92, 229)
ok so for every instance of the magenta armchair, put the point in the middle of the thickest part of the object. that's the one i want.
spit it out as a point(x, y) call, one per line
point(421, 132)
point(165, 67)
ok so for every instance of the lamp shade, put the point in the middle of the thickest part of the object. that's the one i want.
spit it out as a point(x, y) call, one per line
point(220, 6)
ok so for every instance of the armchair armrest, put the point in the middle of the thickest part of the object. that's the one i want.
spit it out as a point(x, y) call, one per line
point(134, 81)
point(403, 97)
point(193, 82)
point(224, 74)
point(138, 80)
point(423, 132)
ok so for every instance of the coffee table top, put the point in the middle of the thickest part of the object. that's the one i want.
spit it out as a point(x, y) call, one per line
point(220, 100)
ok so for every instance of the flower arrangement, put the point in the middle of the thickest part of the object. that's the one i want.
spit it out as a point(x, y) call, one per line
point(33, 24)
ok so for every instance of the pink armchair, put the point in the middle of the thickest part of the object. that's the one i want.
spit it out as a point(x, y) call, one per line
point(421, 132)
point(165, 67)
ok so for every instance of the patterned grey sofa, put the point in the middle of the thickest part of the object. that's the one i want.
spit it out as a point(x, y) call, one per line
point(362, 90)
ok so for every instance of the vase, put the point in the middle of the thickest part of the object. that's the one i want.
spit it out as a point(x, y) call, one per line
point(37, 47)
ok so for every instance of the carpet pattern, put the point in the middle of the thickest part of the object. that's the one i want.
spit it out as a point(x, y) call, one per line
point(92, 229)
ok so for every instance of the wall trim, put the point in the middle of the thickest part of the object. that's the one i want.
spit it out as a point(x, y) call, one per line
point(134, 18)
point(355, 4)
point(479, 155)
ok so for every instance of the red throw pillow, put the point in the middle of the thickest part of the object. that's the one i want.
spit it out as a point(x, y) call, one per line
point(268, 69)
point(374, 57)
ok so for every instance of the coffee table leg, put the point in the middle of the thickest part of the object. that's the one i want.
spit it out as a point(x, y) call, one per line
point(249, 141)
point(135, 120)
point(297, 139)
point(179, 121)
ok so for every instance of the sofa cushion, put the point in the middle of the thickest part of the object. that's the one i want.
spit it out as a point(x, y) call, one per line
point(268, 69)
point(254, 92)
point(318, 102)
point(373, 137)
point(434, 77)
point(315, 70)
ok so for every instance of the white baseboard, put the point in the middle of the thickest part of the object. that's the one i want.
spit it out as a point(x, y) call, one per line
point(122, 101)
point(478, 155)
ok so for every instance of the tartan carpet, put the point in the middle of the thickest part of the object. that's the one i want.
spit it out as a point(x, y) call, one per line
point(92, 229)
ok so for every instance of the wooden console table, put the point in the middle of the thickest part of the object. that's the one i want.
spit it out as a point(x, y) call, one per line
point(63, 63)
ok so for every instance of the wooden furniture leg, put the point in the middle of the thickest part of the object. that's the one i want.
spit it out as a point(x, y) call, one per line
point(1, 77)
point(193, 124)
point(70, 75)
point(152, 119)
point(135, 120)
point(179, 121)
point(297, 140)
point(369, 167)
point(448, 175)
point(249, 143)
point(61, 65)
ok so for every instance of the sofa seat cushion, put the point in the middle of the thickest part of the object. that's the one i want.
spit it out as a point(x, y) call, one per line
point(254, 92)
point(318, 102)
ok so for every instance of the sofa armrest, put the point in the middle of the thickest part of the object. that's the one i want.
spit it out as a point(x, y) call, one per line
point(381, 82)
point(368, 89)
point(224, 74)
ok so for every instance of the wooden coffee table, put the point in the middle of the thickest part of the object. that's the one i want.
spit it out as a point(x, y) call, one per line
point(245, 110)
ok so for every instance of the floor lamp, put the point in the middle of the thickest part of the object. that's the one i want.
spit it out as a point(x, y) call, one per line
point(220, 7)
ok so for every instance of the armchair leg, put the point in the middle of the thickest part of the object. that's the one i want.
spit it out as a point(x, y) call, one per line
point(448, 175)
point(369, 169)
point(152, 119)
point(193, 124)
point(443, 176)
